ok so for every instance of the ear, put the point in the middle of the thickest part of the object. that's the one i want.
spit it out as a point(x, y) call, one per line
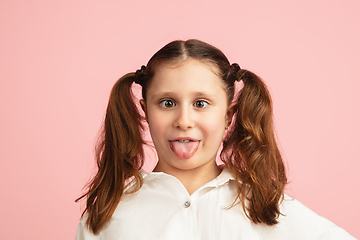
point(143, 107)
point(230, 113)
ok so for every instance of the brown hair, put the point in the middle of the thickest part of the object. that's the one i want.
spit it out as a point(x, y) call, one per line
point(249, 147)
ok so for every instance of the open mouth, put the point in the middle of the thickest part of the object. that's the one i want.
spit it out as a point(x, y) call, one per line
point(184, 148)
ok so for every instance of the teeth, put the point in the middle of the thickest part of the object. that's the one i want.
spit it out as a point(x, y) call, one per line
point(184, 141)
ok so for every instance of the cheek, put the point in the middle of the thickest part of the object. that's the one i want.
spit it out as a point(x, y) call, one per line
point(157, 124)
point(214, 126)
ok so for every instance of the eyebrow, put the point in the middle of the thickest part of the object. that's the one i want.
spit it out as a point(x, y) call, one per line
point(194, 94)
point(204, 94)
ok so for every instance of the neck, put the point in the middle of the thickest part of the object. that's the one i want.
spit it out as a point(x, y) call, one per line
point(192, 179)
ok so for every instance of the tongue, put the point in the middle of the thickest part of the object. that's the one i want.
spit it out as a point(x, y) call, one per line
point(184, 150)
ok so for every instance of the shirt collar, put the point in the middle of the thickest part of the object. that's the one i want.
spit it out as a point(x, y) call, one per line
point(224, 177)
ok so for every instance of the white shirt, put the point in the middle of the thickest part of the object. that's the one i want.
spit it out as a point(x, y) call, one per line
point(163, 209)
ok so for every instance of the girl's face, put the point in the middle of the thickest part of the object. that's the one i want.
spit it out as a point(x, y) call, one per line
point(187, 112)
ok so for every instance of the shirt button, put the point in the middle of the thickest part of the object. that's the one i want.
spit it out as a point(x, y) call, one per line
point(187, 204)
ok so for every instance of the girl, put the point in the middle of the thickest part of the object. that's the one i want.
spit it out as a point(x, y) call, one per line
point(188, 102)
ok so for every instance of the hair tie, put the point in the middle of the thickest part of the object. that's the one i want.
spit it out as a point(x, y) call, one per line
point(235, 68)
point(139, 75)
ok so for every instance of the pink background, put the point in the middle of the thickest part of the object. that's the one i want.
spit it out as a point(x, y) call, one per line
point(59, 60)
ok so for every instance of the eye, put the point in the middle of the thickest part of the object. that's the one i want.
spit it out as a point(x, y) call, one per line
point(167, 103)
point(200, 104)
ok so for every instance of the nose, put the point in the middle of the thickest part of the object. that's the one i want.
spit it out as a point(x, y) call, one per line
point(184, 118)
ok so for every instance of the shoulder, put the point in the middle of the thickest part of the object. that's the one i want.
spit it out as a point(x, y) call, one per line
point(299, 219)
point(132, 207)
point(83, 232)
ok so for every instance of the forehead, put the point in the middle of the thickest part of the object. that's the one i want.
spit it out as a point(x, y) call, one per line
point(186, 76)
point(175, 63)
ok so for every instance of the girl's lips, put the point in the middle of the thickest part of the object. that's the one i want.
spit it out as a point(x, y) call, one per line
point(186, 139)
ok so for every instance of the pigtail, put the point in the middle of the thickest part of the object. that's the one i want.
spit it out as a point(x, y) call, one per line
point(251, 153)
point(119, 155)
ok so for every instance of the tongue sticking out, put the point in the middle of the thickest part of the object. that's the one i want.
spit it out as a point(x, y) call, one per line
point(184, 149)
